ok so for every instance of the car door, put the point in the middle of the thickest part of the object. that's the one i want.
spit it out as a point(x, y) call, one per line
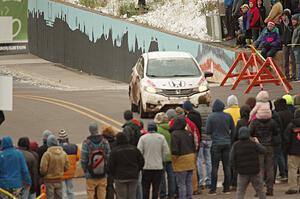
point(137, 75)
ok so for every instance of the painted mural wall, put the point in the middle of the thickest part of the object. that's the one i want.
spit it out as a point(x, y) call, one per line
point(107, 46)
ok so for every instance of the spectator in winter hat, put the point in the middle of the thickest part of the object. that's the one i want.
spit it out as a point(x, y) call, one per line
point(73, 154)
point(53, 165)
point(233, 108)
point(154, 148)
point(290, 102)
point(269, 41)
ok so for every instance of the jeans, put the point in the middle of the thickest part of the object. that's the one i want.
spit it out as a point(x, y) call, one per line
point(269, 52)
point(96, 187)
point(243, 182)
point(279, 161)
point(289, 55)
point(126, 189)
point(266, 163)
point(204, 154)
point(151, 177)
point(297, 56)
point(184, 182)
point(168, 169)
point(54, 190)
point(68, 188)
point(220, 153)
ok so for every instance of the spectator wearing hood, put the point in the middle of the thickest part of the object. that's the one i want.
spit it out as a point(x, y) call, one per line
point(233, 108)
point(244, 159)
point(95, 183)
point(193, 115)
point(262, 108)
point(53, 165)
point(154, 149)
point(220, 126)
point(205, 145)
point(269, 41)
point(162, 123)
point(254, 19)
point(275, 12)
point(297, 101)
point(290, 103)
point(73, 154)
point(183, 157)
point(229, 19)
point(32, 165)
point(124, 164)
point(132, 128)
point(14, 173)
point(292, 142)
point(296, 41)
point(266, 130)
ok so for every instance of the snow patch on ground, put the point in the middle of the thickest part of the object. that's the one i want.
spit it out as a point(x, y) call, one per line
point(178, 16)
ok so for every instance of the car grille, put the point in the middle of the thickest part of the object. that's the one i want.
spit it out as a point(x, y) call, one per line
point(178, 92)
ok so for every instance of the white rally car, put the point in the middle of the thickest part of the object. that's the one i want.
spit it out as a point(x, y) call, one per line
point(162, 80)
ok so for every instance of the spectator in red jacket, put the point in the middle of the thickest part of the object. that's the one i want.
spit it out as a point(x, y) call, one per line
point(254, 20)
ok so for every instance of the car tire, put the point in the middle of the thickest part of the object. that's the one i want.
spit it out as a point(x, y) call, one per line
point(143, 114)
point(134, 108)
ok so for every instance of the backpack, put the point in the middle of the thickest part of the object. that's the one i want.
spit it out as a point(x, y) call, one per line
point(97, 164)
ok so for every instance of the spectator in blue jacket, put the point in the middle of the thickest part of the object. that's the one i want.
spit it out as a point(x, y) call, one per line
point(269, 41)
point(14, 174)
point(220, 126)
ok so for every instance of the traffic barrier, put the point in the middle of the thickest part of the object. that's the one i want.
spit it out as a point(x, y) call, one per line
point(257, 70)
point(7, 193)
point(43, 193)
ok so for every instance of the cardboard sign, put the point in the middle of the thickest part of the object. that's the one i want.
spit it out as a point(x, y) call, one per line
point(6, 93)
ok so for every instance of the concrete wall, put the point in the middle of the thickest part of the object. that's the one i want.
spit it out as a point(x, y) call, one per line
point(107, 46)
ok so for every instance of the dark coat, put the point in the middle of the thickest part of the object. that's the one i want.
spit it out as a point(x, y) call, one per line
point(132, 131)
point(286, 32)
point(292, 136)
point(195, 117)
point(125, 162)
point(242, 122)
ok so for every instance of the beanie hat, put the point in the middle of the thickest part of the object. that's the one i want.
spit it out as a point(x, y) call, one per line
point(46, 134)
point(289, 99)
point(93, 128)
point(161, 118)
point(187, 105)
point(152, 127)
point(179, 111)
point(128, 115)
point(296, 17)
point(287, 12)
point(52, 141)
point(232, 100)
point(24, 143)
point(33, 146)
point(171, 113)
point(62, 135)
point(121, 138)
point(245, 6)
point(271, 23)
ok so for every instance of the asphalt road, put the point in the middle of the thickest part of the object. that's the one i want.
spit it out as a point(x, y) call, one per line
point(37, 109)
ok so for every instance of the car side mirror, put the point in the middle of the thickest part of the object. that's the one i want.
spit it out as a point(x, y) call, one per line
point(208, 74)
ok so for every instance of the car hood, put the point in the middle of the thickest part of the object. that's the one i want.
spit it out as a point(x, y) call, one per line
point(176, 83)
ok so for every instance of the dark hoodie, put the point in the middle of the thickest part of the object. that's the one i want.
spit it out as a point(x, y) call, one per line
point(13, 169)
point(243, 121)
point(125, 161)
point(220, 125)
point(292, 135)
point(244, 154)
point(285, 115)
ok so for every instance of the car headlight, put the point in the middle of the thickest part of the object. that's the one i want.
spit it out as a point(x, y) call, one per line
point(150, 89)
point(202, 89)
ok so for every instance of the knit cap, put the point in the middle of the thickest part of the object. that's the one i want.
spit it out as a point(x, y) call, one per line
point(187, 105)
point(128, 115)
point(171, 113)
point(62, 135)
point(93, 128)
point(262, 96)
point(245, 6)
point(179, 111)
point(152, 127)
point(161, 118)
point(232, 100)
point(46, 134)
point(52, 141)
point(289, 99)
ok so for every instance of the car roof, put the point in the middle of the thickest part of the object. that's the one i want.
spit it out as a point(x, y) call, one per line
point(167, 54)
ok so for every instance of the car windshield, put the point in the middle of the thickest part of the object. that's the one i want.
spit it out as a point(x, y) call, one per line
point(173, 67)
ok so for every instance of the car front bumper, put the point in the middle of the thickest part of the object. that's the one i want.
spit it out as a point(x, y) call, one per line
point(156, 102)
